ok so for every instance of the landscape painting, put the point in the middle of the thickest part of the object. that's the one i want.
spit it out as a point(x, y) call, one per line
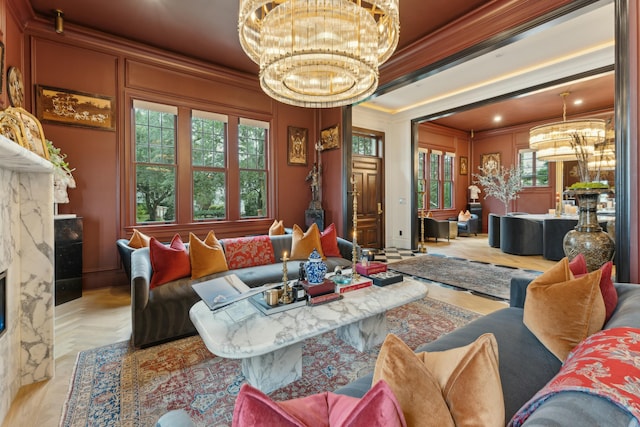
point(55, 105)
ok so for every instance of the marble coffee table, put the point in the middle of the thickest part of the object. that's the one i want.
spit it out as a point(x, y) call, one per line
point(271, 346)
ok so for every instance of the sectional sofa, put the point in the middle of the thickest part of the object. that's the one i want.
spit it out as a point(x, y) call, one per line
point(162, 313)
point(526, 365)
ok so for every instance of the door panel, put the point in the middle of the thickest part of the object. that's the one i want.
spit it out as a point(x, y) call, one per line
point(370, 185)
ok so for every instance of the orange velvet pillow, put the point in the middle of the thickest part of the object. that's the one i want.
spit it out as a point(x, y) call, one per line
point(329, 241)
point(277, 228)
point(302, 244)
point(561, 310)
point(168, 262)
point(460, 386)
point(207, 257)
point(138, 240)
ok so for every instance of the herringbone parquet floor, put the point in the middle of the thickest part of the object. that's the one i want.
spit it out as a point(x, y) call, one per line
point(103, 317)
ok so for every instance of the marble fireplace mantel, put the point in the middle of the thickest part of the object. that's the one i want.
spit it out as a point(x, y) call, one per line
point(27, 254)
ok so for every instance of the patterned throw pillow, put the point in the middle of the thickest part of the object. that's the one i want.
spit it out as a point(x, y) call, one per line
point(245, 252)
point(168, 262)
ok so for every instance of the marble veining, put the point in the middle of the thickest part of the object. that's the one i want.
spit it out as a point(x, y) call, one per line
point(26, 252)
point(359, 318)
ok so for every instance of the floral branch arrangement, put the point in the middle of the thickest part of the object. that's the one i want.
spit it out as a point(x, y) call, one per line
point(503, 184)
point(58, 160)
point(579, 145)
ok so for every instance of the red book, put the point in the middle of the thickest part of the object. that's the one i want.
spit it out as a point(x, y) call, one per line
point(360, 284)
point(372, 268)
point(323, 299)
point(323, 288)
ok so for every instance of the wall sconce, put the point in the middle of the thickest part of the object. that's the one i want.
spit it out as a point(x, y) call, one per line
point(59, 23)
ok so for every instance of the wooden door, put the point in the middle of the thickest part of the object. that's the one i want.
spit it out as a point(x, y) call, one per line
point(368, 175)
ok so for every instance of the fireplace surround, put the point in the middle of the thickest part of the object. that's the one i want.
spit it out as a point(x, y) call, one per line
point(26, 254)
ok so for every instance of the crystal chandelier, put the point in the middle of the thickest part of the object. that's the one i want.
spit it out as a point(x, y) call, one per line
point(319, 53)
point(568, 139)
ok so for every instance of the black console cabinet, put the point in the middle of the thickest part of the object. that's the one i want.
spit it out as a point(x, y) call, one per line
point(68, 255)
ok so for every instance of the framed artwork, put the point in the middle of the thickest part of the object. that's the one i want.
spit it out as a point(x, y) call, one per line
point(464, 165)
point(297, 146)
point(64, 106)
point(491, 163)
point(15, 87)
point(33, 136)
point(330, 138)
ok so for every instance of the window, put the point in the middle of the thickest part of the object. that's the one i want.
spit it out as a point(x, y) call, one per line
point(208, 160)
point(435, 179)
point(155, 162)
point(535, 173)
point(252, 147)
point(365, 144)
point(221, 169)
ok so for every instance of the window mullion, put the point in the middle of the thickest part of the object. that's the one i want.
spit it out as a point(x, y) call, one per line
point(233, 173)
point(183, 162)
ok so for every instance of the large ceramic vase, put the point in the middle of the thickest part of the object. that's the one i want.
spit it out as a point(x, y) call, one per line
point(588, 237)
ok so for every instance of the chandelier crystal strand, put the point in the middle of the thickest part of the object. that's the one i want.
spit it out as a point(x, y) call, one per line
point(319, 53)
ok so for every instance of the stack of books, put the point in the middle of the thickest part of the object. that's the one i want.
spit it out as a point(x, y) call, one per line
point(363, 282)
point(371, 268)
point(321, 293)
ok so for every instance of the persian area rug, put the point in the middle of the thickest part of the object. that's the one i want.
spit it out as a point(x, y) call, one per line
point(116, 386)
point(478, 277)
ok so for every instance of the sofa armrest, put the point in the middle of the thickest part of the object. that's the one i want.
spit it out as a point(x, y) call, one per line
point(518, 290)
point(125, 252)
point(141, 272)
point(345, 247)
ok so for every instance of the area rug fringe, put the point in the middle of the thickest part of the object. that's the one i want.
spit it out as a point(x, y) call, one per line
point(115, 385)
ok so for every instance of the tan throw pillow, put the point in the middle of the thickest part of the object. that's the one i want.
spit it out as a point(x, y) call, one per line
point(207, 257)
point(562, 314)
point(138, 240)
point(460, 386)
point(277, 228)
point(302, 244)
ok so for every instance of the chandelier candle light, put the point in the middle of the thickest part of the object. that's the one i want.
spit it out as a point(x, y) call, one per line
point(319, 53)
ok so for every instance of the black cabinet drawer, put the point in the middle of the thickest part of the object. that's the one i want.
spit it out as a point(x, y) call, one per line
point(68, 289)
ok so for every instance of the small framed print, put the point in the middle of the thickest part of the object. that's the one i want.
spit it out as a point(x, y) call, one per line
point(464, 165)
point(297, 146)
point(491, 163)
point(330, 138)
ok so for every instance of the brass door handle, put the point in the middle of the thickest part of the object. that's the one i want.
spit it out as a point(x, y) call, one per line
point(380, 212)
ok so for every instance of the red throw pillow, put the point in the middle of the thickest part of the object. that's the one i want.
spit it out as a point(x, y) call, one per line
point(168, 262)
point(377, 408)
point(329, 241)
point(578, 267)
point(248, 252)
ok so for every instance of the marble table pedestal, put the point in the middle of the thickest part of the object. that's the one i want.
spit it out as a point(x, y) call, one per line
point(270, 347)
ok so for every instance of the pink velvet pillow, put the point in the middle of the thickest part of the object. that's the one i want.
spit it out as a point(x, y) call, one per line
point(578, 267)
point(329, 241)
point(168, 262)
point(377, 408)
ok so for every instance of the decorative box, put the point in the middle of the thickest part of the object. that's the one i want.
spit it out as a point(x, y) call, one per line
point(386, 278)
point(372, 268)
point(328, 286)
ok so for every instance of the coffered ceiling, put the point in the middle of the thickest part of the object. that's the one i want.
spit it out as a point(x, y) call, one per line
point(207, 30)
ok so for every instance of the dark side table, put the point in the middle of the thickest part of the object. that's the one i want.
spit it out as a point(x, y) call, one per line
point(68, 259)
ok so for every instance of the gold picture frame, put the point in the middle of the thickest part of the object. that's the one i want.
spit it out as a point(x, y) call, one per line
point(330, 138)
point(297, 146)
point(69, 107)
point(464, 165)
point(491, 163)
